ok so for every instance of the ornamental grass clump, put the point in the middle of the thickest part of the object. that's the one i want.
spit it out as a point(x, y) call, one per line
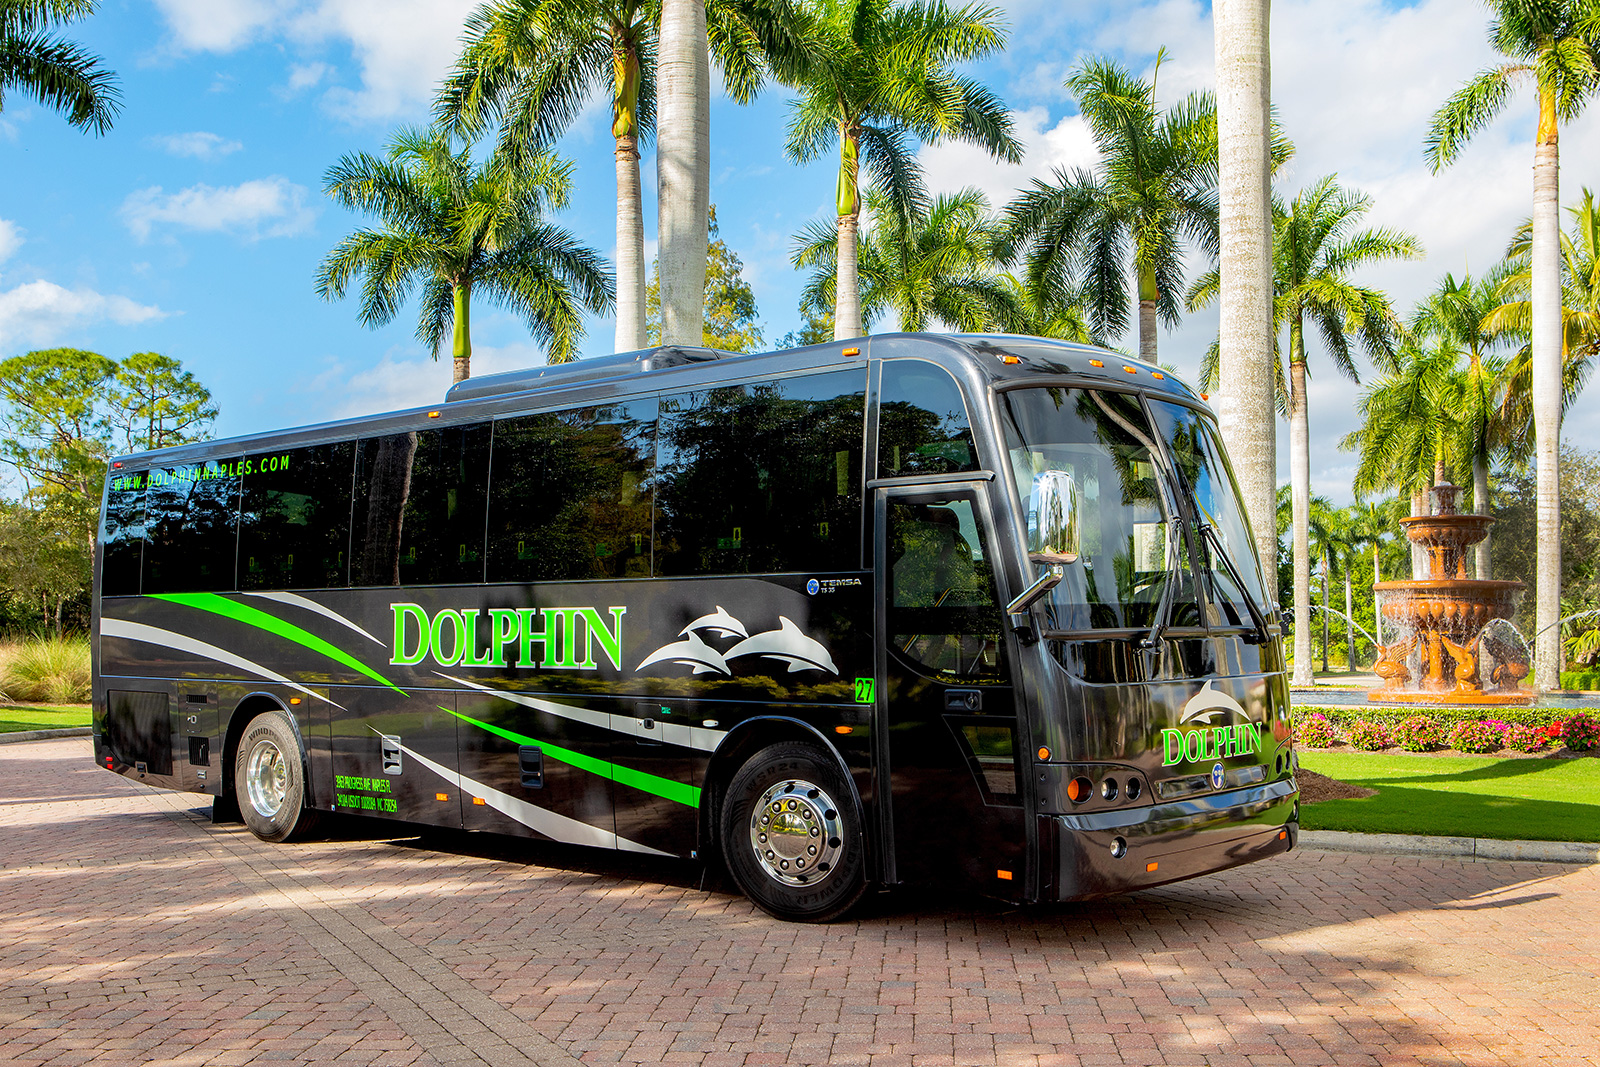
point(1581, 732)
point(1475, 737)
point(47, 670)
point(1419, 733)
point(1521, 738)
point(1316, 731)
point(1369, 736)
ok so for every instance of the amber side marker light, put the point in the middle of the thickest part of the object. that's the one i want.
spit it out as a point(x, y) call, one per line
point(1044, 754)
point(844, 729)
point(1011, 359)
point(1130, 370)
point(1158, 376)
point(1282, 834)
point(1096, 363)
point(433, 414)
point(441, 796)
point(1004, 876)
point(479, 800)
point(1150, 867)
point(294, 700)
point(851, 352)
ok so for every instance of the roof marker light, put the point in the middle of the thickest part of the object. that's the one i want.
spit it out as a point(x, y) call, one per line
point(433, 414)
point(1130, 370)
point(1096, 363)
point(1158, 376)
point(1009, 360)
point(117, 464)
point(851, 351)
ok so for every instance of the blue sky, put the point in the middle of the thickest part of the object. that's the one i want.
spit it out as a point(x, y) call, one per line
point(195, 227)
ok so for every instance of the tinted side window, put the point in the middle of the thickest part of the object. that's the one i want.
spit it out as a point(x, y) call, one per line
point(294, 525)
point(191, 538)
point(762, 477)
point(922, 422)
point(419, 509)
point(124, 544)
point(570, 494)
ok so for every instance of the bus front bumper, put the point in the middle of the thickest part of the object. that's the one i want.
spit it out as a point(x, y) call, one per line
point(1117, 851)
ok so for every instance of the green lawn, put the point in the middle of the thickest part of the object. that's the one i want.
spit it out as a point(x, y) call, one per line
point(1460, 796)
point(18, 717)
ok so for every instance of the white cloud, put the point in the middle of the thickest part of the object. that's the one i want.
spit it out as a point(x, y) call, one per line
point(10, 239)
point(263, 207)
point(402, 47)
point(405, 379)
point(1065, 145)
point(199, 144)
point(41, 312)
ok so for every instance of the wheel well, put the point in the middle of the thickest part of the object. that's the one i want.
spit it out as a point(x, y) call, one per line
point(246, 710)
point(744, 741)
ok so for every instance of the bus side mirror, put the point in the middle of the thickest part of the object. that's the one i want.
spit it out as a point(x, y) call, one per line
point(1053, 518)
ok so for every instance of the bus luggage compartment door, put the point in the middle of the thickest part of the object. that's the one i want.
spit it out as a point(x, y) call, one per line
point(949, 736)
point(394, 755)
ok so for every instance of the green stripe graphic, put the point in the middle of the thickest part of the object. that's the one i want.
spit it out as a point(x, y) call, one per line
point(221, 605)
point(664, 788)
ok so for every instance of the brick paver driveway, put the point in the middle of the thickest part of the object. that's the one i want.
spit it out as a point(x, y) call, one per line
point(133, 931)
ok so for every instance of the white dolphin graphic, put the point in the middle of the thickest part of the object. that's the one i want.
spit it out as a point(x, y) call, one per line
point(720, 623)
point(787, 645)
point(690, 652)
point(1208, 703)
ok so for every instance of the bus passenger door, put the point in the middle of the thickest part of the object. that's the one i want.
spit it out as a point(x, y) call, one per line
point(949, 748)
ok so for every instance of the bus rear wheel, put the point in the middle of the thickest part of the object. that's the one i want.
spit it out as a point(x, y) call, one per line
point(269, 780)
point(791, 835)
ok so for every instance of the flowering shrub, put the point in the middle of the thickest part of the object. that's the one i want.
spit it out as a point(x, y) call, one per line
point(1581, 732)
point(1419, 734)
point(1369, 736)
point(1316, 731)
point(1526, 738)
point(1476, 737)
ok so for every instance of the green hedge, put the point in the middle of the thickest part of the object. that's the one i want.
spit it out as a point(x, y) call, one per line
point(1580, 679)
point(1345, 714)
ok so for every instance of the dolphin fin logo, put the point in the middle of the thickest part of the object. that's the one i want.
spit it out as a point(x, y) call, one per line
point(719, 622)
point(1209, 703)
point(690, 652)
point(786, 645)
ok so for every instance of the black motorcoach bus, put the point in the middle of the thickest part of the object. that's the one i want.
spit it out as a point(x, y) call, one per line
point(976, 611)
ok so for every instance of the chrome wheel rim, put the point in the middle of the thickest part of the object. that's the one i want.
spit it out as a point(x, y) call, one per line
point(795, 833)
point(266, 778)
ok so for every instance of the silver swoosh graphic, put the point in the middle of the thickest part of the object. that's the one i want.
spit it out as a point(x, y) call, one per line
point(150, 635)
point(695, 737)
point(555, 826)
point(297, 601)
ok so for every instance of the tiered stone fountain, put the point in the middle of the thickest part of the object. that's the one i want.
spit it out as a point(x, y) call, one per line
point(1453, 641)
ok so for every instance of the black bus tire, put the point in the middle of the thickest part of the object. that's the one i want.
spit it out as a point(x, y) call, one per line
point(269, 780)
point(791, 836)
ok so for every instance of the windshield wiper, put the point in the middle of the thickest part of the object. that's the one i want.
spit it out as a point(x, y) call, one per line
point(1158, 625)
point(1257, 616)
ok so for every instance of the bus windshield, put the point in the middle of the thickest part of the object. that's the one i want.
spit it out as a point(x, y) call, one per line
point(1131, 548)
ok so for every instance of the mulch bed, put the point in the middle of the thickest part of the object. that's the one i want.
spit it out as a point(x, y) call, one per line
point(1316, 787)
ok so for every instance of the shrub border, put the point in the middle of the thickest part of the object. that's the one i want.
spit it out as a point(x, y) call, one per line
point(1392, 716)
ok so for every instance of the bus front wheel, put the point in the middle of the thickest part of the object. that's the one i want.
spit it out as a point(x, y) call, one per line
point(269, 780)
point(791, 835)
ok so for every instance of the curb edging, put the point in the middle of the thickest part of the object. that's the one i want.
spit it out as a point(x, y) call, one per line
point(1483, 848)
point(45, 735)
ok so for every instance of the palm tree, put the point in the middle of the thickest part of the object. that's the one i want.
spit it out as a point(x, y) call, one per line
point(530, 65)
point(1155, 186)
point(683, 179)
point(1314, 251)
point(1552, 44)
point(1245, 335)
point(58, 73)
point(1460, 313)
point(1329, 542)
point(879, 78)
point(1580, 314)
point(932, 267)
point(454, 228)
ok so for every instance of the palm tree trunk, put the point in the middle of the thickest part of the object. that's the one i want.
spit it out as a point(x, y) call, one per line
point(1419, 555)
point(847, 201)
point(1149, 294)
point(1324, 613)
point(1480, 504)
point(1349, 622)
point(631, 334)
point(1300, 504)
point(683, 86)
point(1546, 308)
point(461, 337)
point(1245, 407)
